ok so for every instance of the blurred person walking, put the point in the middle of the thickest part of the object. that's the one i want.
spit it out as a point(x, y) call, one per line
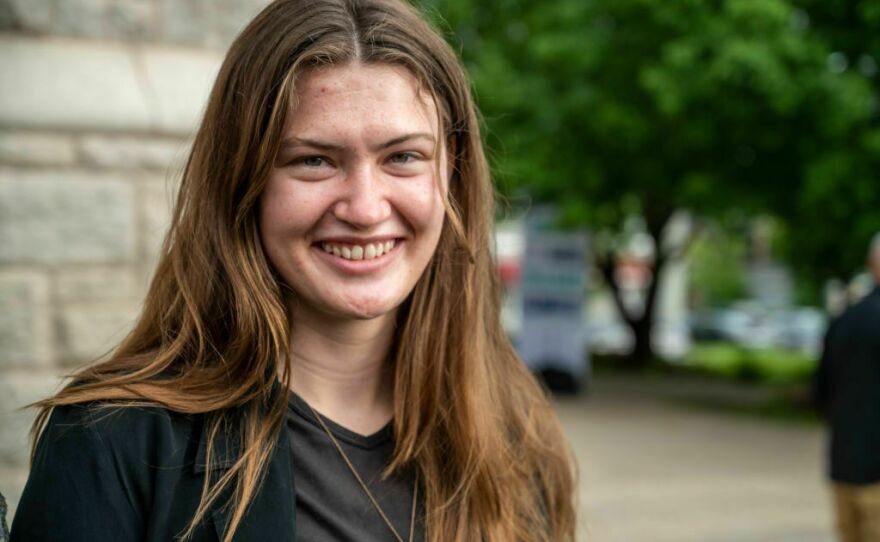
point(847, 391)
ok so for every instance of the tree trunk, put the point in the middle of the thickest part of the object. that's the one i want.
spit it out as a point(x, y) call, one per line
point(642, 324)
point(643, 348)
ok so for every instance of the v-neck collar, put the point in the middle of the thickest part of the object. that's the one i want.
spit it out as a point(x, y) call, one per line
point(299, 407)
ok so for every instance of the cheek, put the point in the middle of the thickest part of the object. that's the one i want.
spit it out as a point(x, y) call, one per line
point(270, 234)
point(272, 202)
point(274, 218)
point(421, 204)
point(286, 210)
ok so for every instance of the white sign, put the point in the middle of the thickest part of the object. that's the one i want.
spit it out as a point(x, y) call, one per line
point(554, 287)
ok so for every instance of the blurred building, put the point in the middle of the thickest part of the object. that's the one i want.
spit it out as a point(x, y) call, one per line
point(98, 99)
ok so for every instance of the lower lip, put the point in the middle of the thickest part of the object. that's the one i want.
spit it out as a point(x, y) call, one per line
point(358, 267)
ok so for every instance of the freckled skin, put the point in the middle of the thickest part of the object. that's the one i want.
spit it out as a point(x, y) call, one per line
point(354, 187)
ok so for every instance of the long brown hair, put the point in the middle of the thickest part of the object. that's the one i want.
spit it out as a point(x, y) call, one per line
point(213, 335)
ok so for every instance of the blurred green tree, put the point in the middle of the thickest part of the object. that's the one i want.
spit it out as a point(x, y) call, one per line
point(616, 108)
point(838, 208)
point(717, 262)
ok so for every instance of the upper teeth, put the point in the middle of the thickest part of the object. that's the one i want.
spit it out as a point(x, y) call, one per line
point(358, 252)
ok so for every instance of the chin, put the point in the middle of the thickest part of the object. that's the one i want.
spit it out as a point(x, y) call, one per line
point(368, 309)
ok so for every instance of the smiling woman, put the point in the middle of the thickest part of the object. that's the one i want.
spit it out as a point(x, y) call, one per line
point(320, 355)
point(358, 173)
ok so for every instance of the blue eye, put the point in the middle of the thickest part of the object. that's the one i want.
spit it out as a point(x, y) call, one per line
point(402, 158)
point(312, 161)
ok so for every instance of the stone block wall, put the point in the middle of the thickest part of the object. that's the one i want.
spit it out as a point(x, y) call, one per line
point(98, 100)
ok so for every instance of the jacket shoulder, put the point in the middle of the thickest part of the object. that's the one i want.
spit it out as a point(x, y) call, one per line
point(861, 316)
point(134, 436)
point(129, 426)
point(96, 468)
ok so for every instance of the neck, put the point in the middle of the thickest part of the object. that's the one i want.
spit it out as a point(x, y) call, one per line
point(341, 368)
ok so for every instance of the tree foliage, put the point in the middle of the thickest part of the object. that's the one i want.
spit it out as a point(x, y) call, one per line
point(837, 209)
point(622, 107)
point(717, 268)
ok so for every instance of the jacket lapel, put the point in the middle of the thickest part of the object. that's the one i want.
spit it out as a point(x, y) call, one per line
point(271, 513)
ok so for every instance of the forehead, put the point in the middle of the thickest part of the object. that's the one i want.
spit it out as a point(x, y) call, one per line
point(376, 98)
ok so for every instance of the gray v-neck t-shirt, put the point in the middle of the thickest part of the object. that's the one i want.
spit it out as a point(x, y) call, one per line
point(331, 505)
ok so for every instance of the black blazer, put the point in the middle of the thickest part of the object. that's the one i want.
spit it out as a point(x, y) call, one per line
point(847, 389)
point(127, 474)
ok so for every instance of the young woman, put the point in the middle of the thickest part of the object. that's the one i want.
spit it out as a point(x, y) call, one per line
point(319, 355)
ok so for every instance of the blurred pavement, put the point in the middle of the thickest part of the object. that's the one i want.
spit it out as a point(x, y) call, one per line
point(655, 470)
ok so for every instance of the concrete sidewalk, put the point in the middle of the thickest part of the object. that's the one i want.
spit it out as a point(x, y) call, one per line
point(654, 470)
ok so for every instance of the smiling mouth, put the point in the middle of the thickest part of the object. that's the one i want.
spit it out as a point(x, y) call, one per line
point(350, 251)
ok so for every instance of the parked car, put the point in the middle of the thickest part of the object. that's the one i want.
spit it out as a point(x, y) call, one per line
point(751, 325)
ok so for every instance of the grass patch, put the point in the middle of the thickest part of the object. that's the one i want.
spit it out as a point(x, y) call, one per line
point(782, 376)
point(771, 366)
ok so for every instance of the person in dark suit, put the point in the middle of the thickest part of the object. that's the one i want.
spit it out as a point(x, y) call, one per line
point(847, 390)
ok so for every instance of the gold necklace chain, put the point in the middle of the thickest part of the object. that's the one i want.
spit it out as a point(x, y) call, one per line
point(412, 519)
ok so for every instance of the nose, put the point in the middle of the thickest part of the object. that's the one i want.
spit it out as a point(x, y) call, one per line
point(364, 202)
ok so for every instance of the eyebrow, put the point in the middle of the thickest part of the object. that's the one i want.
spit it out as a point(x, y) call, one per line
point(292, 142)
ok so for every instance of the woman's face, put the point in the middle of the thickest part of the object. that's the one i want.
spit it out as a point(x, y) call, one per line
point(352, 213)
